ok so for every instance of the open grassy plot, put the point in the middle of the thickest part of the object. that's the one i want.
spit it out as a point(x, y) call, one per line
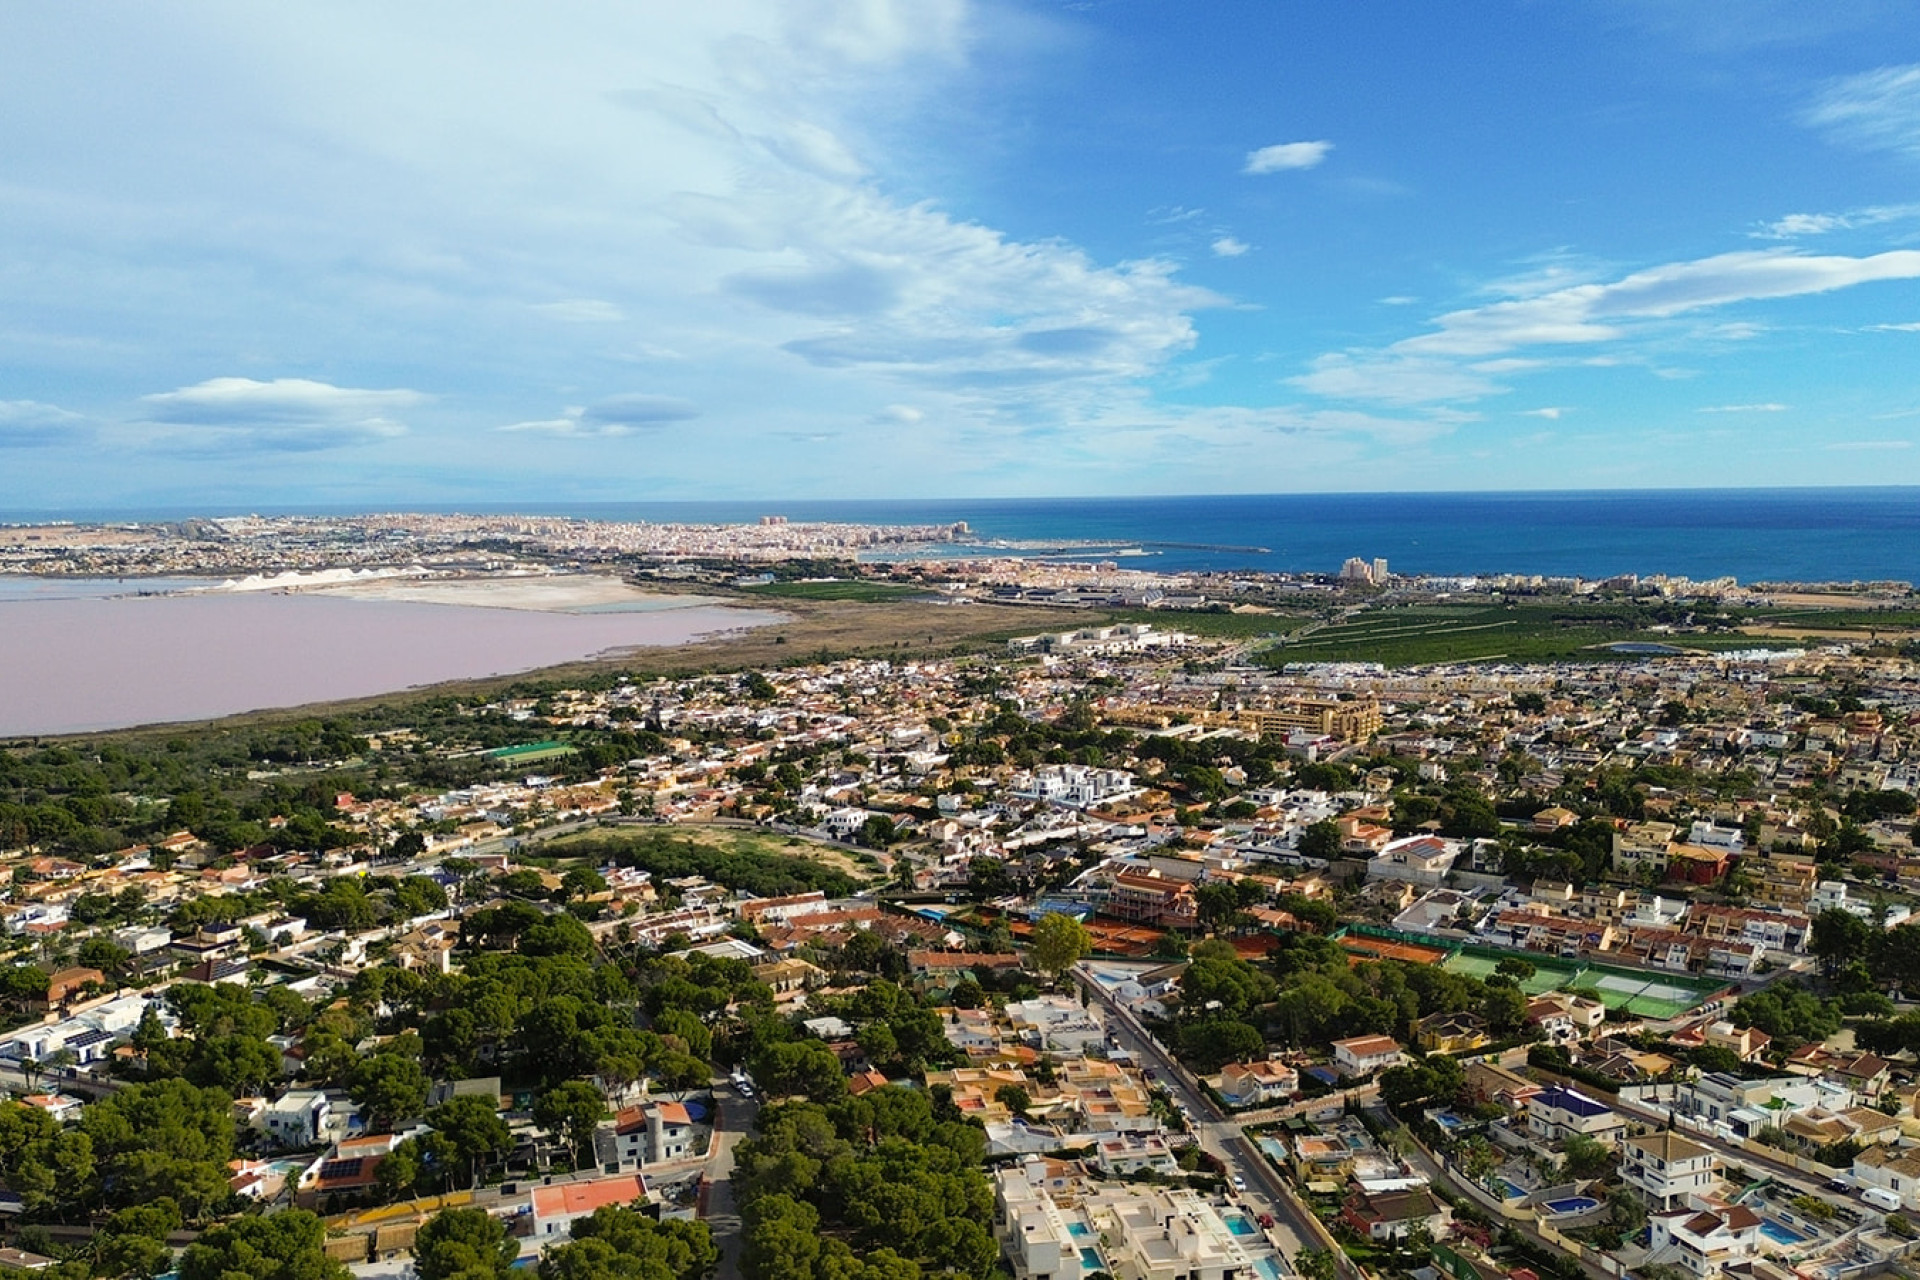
point(1418, 634)
point(765, 862)
point(858, 589)
point(742, 841)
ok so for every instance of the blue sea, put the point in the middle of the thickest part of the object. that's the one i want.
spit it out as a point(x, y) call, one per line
point(1859, 534)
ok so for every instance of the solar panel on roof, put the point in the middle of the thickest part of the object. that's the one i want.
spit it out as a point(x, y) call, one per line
point(334, 1170)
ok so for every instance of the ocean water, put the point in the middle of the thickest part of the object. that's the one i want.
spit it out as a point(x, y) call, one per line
point(1751, 534)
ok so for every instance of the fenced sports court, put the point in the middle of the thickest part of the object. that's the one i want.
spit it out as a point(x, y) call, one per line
point(1645, 992)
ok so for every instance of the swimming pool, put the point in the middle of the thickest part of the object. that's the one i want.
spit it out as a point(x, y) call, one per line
point(1572, 1204)
point(1448, 1121)
point(1780, 1233)
point(1080, 1229)
point(1239, 1224)
point(1514, 1190)
point(1090, 1259)
point(1269, 1268)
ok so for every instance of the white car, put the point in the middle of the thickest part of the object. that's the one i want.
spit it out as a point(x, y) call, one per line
point(1239, 1182)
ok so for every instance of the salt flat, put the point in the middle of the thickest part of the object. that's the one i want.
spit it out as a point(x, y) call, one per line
point(544, 593)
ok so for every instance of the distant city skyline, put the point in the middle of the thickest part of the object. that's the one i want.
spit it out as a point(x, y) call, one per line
point(936, 248)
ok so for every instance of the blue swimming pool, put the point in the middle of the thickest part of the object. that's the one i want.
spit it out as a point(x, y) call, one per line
point(1090, 1259)
point(1080, 1229)
point(1779, 1233)
point(1239, 1223)
point(1269, 1268)
point(1514, 1190)
point(1449, 1121)
point(1572, 1204)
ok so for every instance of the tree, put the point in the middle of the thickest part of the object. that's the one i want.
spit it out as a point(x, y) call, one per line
point(1839, 936)
point(473, 1130)
point(1316, 1264)
point(1059, 943)
point(1505, 1010)
point(284, 1246)
point(617, 1243)
point(570, 1111)
point(781, 1237)
point(167, 1139)
point(1214, 1042)
point(1519, 968)
point(1013, 1098)
point(1586, 1157)
point(463, 1244)
point(1320, 840)
point(390, 1087)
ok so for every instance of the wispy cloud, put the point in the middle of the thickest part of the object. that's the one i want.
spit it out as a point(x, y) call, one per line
point(1286, 155)
point(1744, 408)
point(1797, 226)
point(1860, 446)
point(611, 418)
point(1877, 110)
point(28, 424)
point(287, 414)
point(1453, 362)
point(1229, 247)
point(582, 311)
point(1911, 326)
point(1551, 413)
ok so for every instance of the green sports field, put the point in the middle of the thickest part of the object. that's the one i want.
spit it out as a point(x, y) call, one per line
point(1644, 992)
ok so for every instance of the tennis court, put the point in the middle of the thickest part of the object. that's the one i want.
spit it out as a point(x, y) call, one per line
point(1638, 991)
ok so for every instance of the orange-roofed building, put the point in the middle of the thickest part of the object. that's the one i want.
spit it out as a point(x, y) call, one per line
point(556, 1207)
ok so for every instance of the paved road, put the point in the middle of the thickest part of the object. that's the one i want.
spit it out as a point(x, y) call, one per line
point(1219, 1135)
point(737, 1115)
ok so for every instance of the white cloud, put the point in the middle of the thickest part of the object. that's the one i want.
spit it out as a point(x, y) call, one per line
point(611, 418)
point(1399, 300)
point(1551, 414)
point(1769, 407)
point(1228, 247)
point(900, 415)
point(1799, 225)
point(582, 311)
point(1877, 110)
point(1911, 326)
point(1286, 155)
point(292, 414)
point(28, 424)
point(1424, 367)
point(1392, 379)
point(1858, 446)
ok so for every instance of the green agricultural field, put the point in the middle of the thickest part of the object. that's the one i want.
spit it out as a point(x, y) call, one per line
point(1419, 634)
point(858, 590)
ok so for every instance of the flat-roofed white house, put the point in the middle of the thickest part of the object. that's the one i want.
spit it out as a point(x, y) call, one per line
point(1554, 1114)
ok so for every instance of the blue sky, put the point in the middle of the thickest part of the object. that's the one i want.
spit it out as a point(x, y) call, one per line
point(270, 254)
